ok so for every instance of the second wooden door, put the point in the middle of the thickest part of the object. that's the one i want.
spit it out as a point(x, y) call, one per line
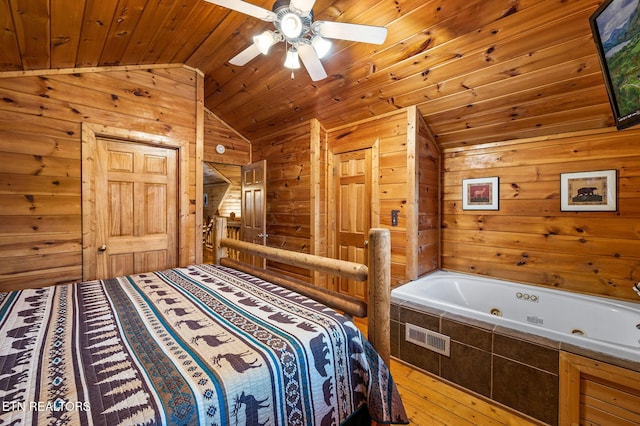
point(353, 213)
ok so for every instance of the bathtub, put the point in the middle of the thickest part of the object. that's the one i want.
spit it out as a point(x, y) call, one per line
point(596, 323)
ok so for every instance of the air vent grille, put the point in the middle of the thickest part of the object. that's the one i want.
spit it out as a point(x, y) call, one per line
point(428, 339)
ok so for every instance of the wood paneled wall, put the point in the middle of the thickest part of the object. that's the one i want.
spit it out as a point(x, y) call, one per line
point(426, 241)
point(388, 136)
point(224, 199)
point(40, 157)
point(530, 239)
point(406, 179)
point(296, 164)
point(216, 131)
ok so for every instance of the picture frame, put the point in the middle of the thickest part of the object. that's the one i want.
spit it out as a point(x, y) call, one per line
point(588, 191)
point(480, 193)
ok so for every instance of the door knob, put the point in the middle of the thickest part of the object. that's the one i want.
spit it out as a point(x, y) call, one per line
point(102, 248)
point(261, 235)
point(366, 243)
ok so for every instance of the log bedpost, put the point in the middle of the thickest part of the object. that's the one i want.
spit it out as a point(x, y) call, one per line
point(379, 309)
point(220, 232)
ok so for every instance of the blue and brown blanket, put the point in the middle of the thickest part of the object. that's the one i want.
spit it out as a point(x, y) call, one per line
point(201, 345)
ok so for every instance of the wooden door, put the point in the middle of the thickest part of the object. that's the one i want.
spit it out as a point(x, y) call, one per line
point(136, 208)
point(254, 201)
point(352, 178)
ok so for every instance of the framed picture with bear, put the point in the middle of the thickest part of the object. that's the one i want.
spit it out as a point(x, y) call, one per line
point(588, 191)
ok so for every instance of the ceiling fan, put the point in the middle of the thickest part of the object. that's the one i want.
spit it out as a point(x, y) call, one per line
point(294, 25)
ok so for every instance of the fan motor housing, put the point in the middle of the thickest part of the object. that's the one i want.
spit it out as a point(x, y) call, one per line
point(281, 9)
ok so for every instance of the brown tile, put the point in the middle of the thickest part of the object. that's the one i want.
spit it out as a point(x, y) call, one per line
point(421, 319)
point(394, 335)
point(470, 321)
point(417, 355)
point(469, 367)
point(395, 312)
point(529, 337)
point(469, 335)
point(537, 356)
point(526, 389)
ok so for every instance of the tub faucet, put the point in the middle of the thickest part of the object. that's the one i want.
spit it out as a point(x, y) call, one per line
point(636, 288)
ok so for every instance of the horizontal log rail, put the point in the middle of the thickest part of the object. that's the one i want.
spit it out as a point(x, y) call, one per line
point(345, 303)
point(351, 270)
point(378, 276)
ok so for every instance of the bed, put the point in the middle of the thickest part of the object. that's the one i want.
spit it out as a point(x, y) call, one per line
point(203, 344)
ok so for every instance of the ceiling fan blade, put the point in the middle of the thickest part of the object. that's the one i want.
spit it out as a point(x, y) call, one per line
point(246, 8)
point(245, 56)
point(352, 32)
point(311, 62)
point(302, 7)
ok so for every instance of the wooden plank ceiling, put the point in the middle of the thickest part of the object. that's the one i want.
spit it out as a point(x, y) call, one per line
point(479, 70)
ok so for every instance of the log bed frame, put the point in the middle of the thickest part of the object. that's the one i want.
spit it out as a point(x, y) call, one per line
point(378, 276)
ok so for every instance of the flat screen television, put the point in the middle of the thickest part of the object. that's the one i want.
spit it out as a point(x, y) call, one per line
point(616, 31)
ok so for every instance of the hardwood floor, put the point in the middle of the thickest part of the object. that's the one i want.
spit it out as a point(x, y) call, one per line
point(430, 401)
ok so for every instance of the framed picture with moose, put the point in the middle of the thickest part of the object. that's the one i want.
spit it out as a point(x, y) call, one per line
point(480, 193)
point(588, 191)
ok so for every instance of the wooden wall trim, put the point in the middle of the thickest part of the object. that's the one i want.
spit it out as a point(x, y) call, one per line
point(199, 167)
point(316, 165)
point(89, 244)
point(375, 183)
point(331, 207)
point(413, 195)
point(80, 70)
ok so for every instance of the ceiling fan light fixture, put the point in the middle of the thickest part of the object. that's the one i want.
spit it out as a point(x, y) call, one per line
point(264, 41)
point(291, 25)
point(305, 40)
point(321, 45)
point(292, 61)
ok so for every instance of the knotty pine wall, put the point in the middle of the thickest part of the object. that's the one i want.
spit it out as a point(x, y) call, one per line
point(429, 167)
point(40, 158)
point(407, 173)
point(216, 131)
point(529, 239)
point(296, 191)
point(237, 153)
point(224, 199)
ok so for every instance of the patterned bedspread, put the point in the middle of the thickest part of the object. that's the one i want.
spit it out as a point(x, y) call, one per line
point(197, 345)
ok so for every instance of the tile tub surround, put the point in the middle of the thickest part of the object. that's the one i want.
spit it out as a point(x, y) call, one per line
point(486, 359)
point(517, 369)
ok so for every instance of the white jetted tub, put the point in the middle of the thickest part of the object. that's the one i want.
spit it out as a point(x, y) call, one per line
point(597, 323)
